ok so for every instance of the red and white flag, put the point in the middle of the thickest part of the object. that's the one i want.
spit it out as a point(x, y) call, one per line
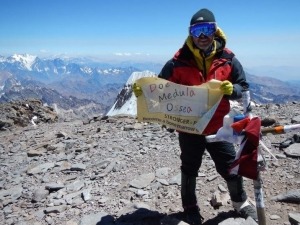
point(246, 161)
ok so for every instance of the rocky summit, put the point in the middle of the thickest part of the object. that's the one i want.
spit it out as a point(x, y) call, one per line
point(116, 170)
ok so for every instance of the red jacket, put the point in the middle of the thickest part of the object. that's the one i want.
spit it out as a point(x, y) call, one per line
point(183, 69)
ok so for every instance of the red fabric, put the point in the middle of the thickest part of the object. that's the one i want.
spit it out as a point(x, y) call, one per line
point(239, 126)
point(245, 163)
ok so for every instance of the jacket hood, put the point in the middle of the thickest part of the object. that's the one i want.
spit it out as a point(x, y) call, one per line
point(220, 39)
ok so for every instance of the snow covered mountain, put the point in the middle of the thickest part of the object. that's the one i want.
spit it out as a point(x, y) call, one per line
point(57, 69)
point(70, 78)
point(25, 61)
point(125, 103)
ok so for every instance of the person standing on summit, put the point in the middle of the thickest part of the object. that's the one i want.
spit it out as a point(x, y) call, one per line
point(204, 57)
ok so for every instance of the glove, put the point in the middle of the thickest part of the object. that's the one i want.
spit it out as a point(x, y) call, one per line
point(137, 90)
point(226, 87)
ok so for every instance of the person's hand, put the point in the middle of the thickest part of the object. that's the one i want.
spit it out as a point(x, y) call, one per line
point(137, 90)
point(226, 87)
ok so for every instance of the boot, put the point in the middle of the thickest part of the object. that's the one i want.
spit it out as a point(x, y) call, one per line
point(239, 198)
point(189, 200)
point(244, 210)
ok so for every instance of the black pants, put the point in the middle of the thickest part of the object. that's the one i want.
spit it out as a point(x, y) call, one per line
point(222, 153)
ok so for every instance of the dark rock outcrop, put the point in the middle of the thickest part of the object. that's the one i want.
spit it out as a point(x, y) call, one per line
point(24, 113)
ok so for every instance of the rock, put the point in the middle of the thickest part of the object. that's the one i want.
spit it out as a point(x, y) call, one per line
point(39, 195)
point(54, 186)
point(143, 180)
point(162, 172)
point(176, 179)
point(167, 220)
point(86, 194)
point(289, 196)
point(42, 168)
point(274, 217)
point(294, 218)
point(75, 186)
point(78, 167)
point(10, 195)
point(233, 221)
point(293, 150)
point(126, 172)
point(21, 113)
point(96, 218)
point(266, 122)
point(55, 209)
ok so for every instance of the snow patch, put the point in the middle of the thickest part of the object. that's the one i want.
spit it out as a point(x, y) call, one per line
point(26, 60)
point(125, 103)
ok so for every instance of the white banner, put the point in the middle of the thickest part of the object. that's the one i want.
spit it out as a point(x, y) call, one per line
point(181, 107)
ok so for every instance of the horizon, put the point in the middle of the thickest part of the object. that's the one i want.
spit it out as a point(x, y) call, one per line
point(276, 72)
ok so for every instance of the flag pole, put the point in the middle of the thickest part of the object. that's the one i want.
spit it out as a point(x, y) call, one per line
point(281, 129)
point(257, 184)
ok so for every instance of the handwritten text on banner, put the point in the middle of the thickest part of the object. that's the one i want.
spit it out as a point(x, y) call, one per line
point(185, 108)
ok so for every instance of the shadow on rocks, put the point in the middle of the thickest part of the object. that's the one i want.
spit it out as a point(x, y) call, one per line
point(141, 216)
point(220, 218)
point(144, 216)
point(213, 221)
point(106, 220)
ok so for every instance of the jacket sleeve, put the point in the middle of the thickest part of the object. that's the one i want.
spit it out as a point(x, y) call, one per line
point(167, 70)
point(238, 79)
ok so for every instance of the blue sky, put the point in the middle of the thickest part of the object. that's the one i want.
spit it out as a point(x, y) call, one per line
point(259, 32)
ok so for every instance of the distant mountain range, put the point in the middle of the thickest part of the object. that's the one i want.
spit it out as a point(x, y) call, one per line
point(79, 83)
